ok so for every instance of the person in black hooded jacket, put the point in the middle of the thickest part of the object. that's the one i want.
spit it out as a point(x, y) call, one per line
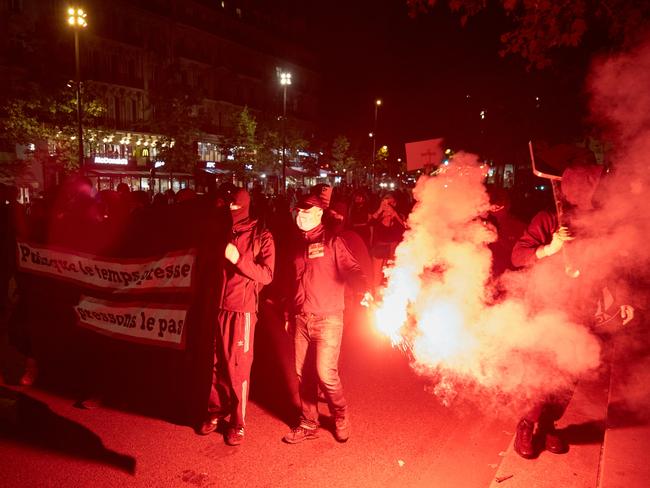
point(249, 265)
point(577, 288)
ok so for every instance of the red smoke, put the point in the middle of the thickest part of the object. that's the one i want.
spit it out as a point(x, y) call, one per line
point(621, 104)
point(438, 302)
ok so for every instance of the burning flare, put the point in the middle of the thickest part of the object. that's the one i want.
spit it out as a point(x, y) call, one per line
point(438, 303)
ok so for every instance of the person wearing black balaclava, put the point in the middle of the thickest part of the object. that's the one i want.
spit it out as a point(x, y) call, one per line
point(567, 281)
point(249, 265)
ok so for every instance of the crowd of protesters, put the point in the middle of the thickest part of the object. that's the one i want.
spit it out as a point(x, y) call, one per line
point(123, 223)
point(354, 229)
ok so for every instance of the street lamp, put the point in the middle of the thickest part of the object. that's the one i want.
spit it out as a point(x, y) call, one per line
point(374, 139)
point(77, 20)
point(285, 81)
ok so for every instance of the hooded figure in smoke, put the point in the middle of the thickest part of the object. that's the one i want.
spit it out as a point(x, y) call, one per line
point(250, 263)
point(556, 249)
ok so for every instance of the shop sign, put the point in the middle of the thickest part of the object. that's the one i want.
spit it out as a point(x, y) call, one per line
point(105, 160)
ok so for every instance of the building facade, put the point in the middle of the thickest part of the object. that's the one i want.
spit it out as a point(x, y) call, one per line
point(137, 55)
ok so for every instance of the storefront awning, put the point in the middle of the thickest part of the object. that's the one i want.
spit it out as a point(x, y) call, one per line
point(216, 171)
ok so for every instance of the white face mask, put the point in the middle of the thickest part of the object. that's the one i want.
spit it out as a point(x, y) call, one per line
point(307, 220)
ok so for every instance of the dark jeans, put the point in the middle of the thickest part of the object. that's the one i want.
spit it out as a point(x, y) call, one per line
point(549, 410)
point(317, 344)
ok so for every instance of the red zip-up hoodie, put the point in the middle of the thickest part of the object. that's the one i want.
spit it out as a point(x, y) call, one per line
point(242, 281)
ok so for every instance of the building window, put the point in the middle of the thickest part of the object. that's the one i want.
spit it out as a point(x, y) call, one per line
point(118, 115)
point(134, 110)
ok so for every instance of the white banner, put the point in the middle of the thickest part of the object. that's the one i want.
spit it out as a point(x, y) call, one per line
point(172, 271)
point(161, 325)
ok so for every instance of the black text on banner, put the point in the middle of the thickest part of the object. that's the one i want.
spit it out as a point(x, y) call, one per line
point(172, 271)
point(161, 325)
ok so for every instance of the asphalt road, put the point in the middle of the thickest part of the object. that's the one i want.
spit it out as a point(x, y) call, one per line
point(401, 435)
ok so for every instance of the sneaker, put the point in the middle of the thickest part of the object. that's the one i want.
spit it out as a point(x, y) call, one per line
point(300, 434)
point(208, 426)
point(235, 436)
point(342, 429)
point(524, 439)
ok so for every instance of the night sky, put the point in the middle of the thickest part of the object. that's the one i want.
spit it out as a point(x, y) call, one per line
point(424, 69)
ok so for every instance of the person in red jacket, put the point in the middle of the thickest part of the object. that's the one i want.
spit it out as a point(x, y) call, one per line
point(323, 264)
point(249, 265)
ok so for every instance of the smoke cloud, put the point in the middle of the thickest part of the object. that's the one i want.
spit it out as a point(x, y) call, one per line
point(440, 305)
point(620, 103)
point(528, 335)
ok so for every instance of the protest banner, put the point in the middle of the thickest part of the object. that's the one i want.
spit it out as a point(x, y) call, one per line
point(423, 154)
point(146, 323)
point(173, 271)
point(130, 312)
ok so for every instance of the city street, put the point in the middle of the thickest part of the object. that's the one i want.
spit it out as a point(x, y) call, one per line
point(402, 436)
point(197, 198)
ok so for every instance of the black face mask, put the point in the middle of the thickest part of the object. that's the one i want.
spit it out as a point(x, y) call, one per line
point(243, 200)
point(239, 215)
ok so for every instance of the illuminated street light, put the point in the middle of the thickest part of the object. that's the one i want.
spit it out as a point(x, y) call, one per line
point(77, 21)
point(285, 78)
point(285, 81)
point(77, 17)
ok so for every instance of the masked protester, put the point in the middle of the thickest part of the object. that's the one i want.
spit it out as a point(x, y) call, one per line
point(249, 265)
point(388, 229)
point(322, 265)
point(551, 250)
point(359, 219)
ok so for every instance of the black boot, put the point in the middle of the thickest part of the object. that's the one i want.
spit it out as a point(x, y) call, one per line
point(553, 442)
point(524, 445)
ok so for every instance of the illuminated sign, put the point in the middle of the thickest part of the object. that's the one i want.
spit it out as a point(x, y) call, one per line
point(210, 164)
point(104, 160)
point(159, 164)
point(145, 152)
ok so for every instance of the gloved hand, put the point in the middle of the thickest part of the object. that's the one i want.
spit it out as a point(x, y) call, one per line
point(559, 237)
point(232, 253)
